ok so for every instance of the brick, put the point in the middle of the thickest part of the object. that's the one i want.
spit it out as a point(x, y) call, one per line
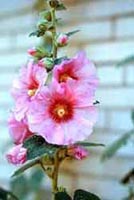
point(109, 51)
point(17, 22)
point(96, 9)
point(89, 31)
point(6, 80)
point(105, 189)
point(110, 75)
point(4, 43)
point(130, 74)
point(14, 5)
point(107, 137)
point(5, 97)
point(4, 113)
point(115, 97)
point(29, 41)
point(92, 166)
point(121, 120)
point(101, 118)
point(124, 27)
point(7, 170)
point(66, 181)
point(4, 135)
point(11, 60)
point(108, 8)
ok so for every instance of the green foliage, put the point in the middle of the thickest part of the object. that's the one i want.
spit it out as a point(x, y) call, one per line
point(59, 60)
point(115, 146)
point(57, 5)
point(84, 195)
point(26, 166)
point(126, 61)
point(132, 116)
point(89, 144)
point(7, 195)
point(19, 186)
point(62, 196)
point(23, 185)
point(37, 146)
point(72, 33)
point(78, 195)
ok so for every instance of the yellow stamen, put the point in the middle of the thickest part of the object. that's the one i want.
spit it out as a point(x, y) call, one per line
point(61, 112)
point(64, 77)
point(31, 92)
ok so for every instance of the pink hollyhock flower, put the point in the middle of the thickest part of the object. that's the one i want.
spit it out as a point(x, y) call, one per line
point(61, 115)
point(32, 51)
point(19, 130)
point(62, 40)
point(26, 87)
point(17, 155)
point(77, 152)
point(78, 69)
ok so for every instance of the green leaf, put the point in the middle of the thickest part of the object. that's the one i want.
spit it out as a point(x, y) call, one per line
point(126, 61)
point(37, 146)
point(6, 195)
point(72, 33)
point(84, 195)
point(26, 166)
point(61, 6)
point(19, 186)
point(89, 144)
point(59, 60)
point(62, 196)
point(37, 33)
point(115, 146)
point(132, 116)
point(37, 176)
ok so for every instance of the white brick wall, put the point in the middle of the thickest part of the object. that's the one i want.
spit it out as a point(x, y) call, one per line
point(107, 35)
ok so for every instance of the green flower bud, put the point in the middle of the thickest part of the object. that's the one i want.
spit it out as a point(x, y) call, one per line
point(54, 3)
point(42, 25)
point(46, 15)
point(47, 63)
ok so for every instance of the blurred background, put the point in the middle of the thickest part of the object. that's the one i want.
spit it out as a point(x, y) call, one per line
point(107, 35)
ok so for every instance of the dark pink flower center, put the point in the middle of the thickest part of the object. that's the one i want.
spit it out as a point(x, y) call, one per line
point(61, 110)
point(63, 76)
point(33, 86)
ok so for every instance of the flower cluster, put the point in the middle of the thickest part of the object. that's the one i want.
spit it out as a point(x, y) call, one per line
point(63, 111)
point(54, 100)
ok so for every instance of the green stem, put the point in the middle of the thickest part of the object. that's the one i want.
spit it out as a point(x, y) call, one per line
point(54, 46)
point(55, 176)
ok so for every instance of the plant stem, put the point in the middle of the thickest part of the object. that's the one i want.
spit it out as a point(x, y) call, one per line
point(55, 175)
point(54, 46)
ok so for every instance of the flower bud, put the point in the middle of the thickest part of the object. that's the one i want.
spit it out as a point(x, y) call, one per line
point(46, 15)
point(54, 3)
point(32, 51)
point(46, 62)
point(77, 152)
point(42, 25)
point(62, 40)
point(17, 155)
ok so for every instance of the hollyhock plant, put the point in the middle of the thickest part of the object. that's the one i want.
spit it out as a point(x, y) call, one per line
point(26, 87)
point(19, 130)
point(17, 155)
point(55, 109)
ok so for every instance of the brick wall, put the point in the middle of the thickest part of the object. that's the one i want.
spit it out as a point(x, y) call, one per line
point(107, 35)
